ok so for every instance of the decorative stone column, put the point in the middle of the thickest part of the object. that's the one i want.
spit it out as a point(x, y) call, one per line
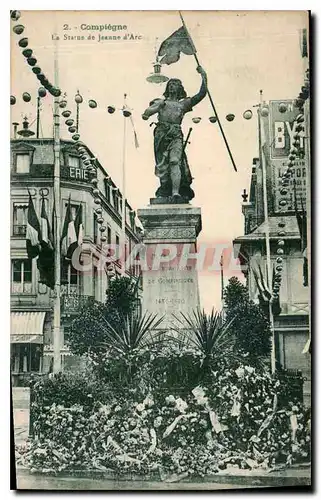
point(170, 282)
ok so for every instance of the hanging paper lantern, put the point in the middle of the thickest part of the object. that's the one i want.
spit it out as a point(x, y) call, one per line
point(15, 15)
point(78, 98)
point(13, 100)
point(213, 119)
point(95, 192)
point(247, 114)
point(66, 113)
point(55, 92)
point(98, 210)
point(279, 260)
point(291, 157)
point(75, 137)
point(280, 251)
point(92, 170)
point(94, 181)
point(282, 107)
point(62, 104)
point(300, 118)
point(32, 61)
point(279, 268)
point(265, 111)
point(18, 29)
point(23, 42)
point(69, 122)
point(87, 163)
point(282, 203)
point(92, 103)
point(97, 201)
point(103, 238)
point(36, 70)
point(283, 191)
point(281, 233)
point(72, 130)
point(197, 119)
point(298, 127)
point(126, 113)
point(27, 53)
point(42, 92)
point(296, 144)
point(100, 220)
point(230, 117)
point(281, 243)
point(26, 97)
point(296, 136)
point(111, 109)
point(299, 103)
point(102, 229)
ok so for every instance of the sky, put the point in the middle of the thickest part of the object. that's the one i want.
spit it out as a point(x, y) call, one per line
point(242, 52)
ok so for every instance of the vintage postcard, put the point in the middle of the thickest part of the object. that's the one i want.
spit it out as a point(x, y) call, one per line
point(160, 249)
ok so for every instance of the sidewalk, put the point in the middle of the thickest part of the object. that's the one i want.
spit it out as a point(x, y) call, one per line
point(98, 481)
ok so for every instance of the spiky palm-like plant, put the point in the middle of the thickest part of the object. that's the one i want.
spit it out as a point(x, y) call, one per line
point(208, 334)
point(133, 332)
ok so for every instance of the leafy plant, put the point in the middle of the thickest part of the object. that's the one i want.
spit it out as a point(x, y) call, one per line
point(251, 327)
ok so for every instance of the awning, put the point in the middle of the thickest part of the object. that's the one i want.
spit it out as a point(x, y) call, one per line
point(27, 327)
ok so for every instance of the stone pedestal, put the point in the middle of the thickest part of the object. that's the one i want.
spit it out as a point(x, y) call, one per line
point(170, 282)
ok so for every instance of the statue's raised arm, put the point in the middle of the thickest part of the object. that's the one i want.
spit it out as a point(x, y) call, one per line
point(203, 90)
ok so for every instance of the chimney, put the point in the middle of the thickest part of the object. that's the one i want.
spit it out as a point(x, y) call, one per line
point(25, 132)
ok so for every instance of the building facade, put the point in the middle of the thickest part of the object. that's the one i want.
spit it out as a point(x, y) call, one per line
point(291, 326)
point(32, 170)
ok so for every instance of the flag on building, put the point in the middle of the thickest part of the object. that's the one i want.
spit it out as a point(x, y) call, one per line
point(46, 260)
point(68, 236)
point(79, 231)
point(264, 294)
point(170, 50)
point(33, 231)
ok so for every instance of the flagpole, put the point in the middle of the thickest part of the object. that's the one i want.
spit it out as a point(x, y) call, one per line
point(267, 236)
point(209, 95)
point(123, 217)
point(57, 313)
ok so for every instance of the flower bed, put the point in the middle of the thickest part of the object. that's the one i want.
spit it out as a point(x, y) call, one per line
point(237, 420)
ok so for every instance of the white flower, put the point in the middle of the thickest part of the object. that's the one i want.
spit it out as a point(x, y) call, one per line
point(198, 392)
point(181, 405)
point(250, 369)
point(158, 421)
point(140, 407)
point(239, 372)
point(148, 401)
point(170, 399)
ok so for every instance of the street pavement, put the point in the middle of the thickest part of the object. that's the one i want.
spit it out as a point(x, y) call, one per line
point(21, 410)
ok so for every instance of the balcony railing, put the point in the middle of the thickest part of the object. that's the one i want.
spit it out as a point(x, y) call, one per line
point(19, 230)
point(72, 304)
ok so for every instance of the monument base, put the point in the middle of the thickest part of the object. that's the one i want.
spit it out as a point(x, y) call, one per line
point(170, 283)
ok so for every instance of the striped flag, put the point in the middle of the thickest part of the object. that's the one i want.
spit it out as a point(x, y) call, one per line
point(33, 231)
point(46, 260)
point(79, 231)
point(264, 292)
point(68, 237)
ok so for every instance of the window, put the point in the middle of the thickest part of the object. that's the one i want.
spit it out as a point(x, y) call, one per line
point(95, 229)
point(22, 163)
point(107, 191)
point(19, 219)
point(26, 358)
point(21, 276)
point(108, 235)
point(71, 278)
point(73, 161)
point(116, 200)
point(95, 283)
point(118, 251)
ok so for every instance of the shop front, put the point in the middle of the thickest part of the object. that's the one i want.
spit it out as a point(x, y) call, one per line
point(26, 340)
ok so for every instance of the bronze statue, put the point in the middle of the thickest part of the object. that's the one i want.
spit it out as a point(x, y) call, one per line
point(171, 162)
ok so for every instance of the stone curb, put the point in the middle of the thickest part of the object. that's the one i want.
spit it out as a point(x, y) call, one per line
point(287, 477)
